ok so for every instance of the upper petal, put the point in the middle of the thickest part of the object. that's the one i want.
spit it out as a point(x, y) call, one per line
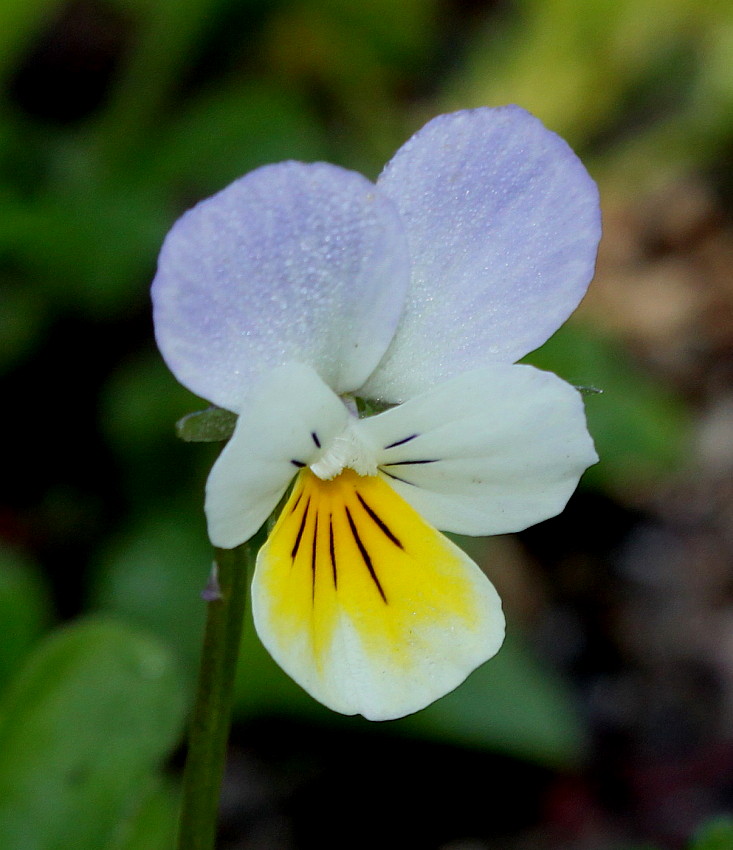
point(492, 451)
point(503, 224)
point(291, 262)
point(292, 416)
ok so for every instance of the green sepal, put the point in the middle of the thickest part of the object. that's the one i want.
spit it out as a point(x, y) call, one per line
point(370, 407)
point(213, 425)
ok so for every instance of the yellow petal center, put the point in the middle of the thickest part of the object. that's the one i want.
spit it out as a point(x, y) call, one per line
point(352, 549)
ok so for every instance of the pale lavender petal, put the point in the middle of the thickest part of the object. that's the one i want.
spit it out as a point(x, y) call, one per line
point(503, 224)
point(292, 262)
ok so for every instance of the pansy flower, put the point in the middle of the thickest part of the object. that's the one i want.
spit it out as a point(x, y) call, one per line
point(302, 295)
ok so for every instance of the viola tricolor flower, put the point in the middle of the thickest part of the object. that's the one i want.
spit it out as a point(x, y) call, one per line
point(300, 291)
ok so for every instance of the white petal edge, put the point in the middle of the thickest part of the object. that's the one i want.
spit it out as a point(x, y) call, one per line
point(292, 262)
point(291, 412)
point(503, 223)
point(506, 447)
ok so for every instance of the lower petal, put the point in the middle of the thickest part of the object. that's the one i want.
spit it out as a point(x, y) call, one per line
point(365, 605)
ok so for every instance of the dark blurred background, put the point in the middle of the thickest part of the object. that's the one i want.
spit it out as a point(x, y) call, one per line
point(605, 723)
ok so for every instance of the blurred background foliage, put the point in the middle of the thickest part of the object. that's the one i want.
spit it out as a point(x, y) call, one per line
point(605, 722)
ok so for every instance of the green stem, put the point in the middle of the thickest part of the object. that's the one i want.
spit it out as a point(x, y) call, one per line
point(209, 733)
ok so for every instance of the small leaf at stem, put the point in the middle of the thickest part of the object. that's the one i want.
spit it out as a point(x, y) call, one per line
point(212, 425)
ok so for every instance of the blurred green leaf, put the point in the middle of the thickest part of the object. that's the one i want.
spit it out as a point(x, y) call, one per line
point(397, 32)
point(575, 70)
point(154, 825)
point(359, 55)
point(93, 249)
point(716, 834)
point(169, 36)
point(641, 429)
point(153, 575)
point(230, 130)
point(207, 426)
point(82, 729)
point(141, 403)
point(20, 20)
point(25, 610)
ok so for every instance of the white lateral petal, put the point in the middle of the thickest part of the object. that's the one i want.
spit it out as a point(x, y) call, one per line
point(495, 450)
point(292, 262)
point(365, 605)
point(292, 415)
point(503, 223)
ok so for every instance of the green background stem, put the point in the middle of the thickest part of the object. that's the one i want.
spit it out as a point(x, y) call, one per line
point(209, 732)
